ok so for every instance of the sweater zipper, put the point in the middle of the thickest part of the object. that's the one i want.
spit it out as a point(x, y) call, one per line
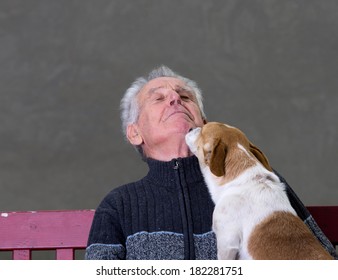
point(184, 200)
point(176, 165)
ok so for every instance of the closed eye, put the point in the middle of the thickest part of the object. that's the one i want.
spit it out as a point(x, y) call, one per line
point(185, 97)
point(158, 97)
point(207, 152)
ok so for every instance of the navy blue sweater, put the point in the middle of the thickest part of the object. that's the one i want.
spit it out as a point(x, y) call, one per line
point(165, 215)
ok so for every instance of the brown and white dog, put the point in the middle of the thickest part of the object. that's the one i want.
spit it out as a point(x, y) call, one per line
point(253, 218)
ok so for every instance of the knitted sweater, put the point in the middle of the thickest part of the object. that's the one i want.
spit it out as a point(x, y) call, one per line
point(165, 215)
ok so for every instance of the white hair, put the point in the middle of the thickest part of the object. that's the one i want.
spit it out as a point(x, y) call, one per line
point(129, 104)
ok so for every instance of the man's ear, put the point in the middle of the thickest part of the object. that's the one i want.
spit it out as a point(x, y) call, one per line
point(260, 156)
point(217, 159)
point(133, 135)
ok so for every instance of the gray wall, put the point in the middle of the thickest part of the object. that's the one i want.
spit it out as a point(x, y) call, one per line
point(268, 67)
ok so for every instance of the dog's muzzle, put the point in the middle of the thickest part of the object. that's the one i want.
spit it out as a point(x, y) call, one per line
point(191, 137)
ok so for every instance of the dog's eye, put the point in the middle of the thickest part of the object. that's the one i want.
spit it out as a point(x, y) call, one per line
point(207, 152)
point(207, 156)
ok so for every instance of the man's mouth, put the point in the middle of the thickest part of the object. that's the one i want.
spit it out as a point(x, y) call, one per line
point(178, 112)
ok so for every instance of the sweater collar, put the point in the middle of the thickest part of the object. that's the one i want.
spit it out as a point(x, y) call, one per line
point(164, 172)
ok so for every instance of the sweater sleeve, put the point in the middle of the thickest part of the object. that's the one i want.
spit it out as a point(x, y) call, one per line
point(305, 215)
point(106, 238)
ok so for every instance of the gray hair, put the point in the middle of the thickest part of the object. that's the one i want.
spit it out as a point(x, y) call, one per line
point(129, 104)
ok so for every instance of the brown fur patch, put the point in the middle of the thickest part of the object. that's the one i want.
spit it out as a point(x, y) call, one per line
point(235, 164)
point(283, 236)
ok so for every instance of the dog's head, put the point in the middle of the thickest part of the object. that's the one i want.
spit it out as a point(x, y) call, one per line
point(224, 148)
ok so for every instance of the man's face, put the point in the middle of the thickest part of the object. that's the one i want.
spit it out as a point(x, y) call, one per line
point(168, 108)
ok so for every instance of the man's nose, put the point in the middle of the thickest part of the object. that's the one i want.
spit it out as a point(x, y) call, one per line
point(175, 98)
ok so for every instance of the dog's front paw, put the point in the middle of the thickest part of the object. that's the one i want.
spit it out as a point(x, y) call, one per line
point(227, 254)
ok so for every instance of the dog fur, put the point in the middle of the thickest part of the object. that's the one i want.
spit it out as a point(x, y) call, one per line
point(253, 218)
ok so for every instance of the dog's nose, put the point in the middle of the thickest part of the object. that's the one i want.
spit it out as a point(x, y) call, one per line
point(191, 129)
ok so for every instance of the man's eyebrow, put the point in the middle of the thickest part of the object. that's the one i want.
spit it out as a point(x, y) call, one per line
point(184, 88)
point(177, 88)
point(152, 90)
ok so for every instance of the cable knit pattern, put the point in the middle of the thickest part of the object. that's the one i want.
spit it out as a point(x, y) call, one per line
point(168, 245)
point(165, 215)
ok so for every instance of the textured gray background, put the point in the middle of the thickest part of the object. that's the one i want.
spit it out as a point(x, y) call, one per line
point(269, 67)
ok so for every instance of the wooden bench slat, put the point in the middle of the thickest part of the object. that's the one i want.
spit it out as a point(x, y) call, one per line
point(65, 254)
point(45, 229)
point(22, 255)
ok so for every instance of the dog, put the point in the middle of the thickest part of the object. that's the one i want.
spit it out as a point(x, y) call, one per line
point(253, 218)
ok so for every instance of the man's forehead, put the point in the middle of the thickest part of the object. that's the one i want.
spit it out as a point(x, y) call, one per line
point(163, 82)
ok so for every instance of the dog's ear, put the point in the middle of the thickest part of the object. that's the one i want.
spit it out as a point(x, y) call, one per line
point(217, 159)
point(260, 156)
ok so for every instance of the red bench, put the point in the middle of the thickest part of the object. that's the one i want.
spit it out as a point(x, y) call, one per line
point(63, 231)
point(67, 231)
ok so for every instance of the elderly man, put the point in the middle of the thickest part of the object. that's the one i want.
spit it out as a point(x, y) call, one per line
point(168, 213)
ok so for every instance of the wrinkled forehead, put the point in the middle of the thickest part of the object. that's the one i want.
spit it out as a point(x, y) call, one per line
point(157, 84)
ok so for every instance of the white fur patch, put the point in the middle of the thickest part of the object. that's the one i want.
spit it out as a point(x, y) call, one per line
point(243, 149)
point(207, 146)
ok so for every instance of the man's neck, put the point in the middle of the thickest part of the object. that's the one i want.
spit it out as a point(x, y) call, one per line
point(173, 148)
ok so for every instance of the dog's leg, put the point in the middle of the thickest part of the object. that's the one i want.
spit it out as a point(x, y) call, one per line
point(228, 240)
point(227, 226)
